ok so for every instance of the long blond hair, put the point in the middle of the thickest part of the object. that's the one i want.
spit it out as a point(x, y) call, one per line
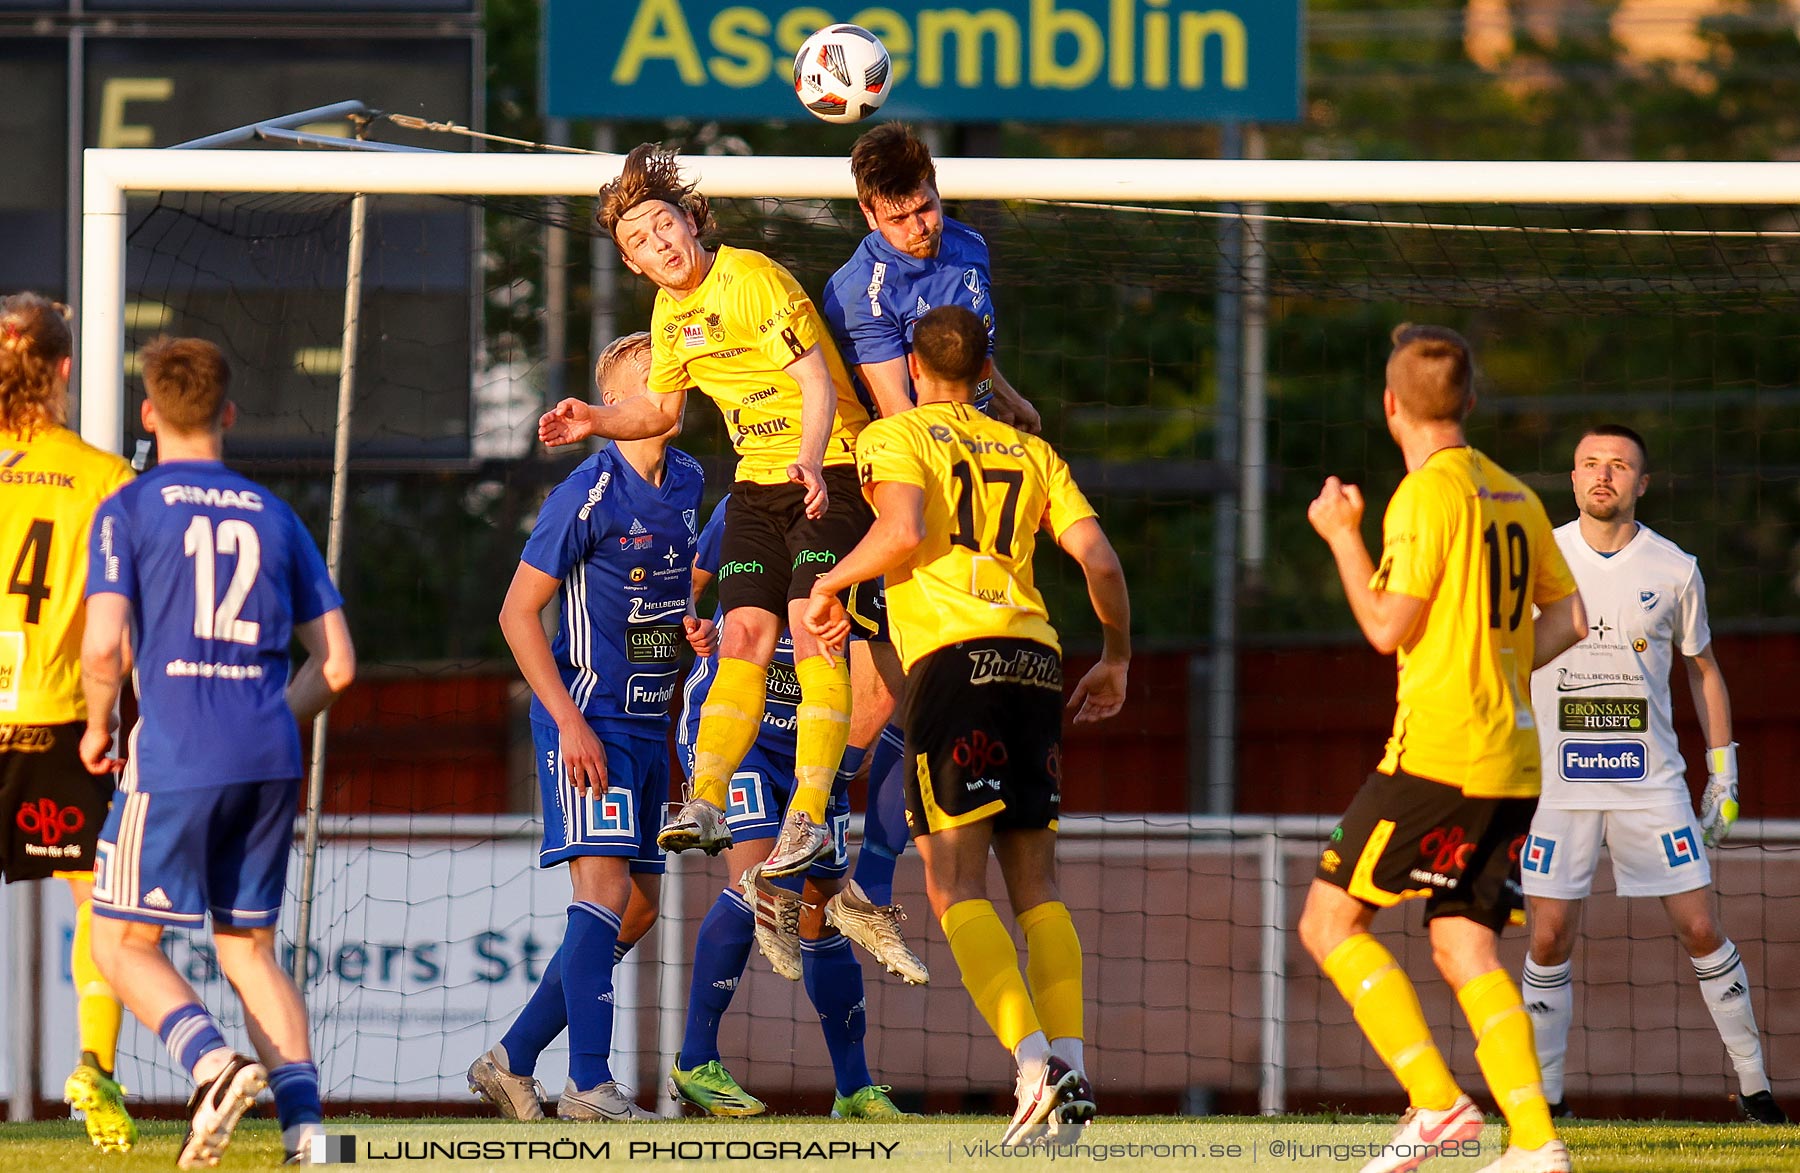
point(34, 341)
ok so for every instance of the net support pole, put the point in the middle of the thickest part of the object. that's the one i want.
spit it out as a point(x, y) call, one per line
point(1253, 446)
point(334, 557)
point(672, 952)
point(1221, 746)
point(1272, 1089)
point(556, 288)
point(603, 273)
point(26, 1041)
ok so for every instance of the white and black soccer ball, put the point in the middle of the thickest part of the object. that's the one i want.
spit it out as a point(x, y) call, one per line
point(842, 73)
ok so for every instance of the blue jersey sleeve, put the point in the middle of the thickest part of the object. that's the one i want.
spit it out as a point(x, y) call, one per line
point(562, 537)
point(866, 331)
point(313, 594)
point(111, 568)
point(706, 553)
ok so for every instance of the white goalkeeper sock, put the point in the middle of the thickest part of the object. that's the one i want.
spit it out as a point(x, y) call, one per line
point(1550, 1000)
point(1725, 985)
point(1032, 1053)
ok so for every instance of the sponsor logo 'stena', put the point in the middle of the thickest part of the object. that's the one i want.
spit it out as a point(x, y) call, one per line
point(1602, 761)
point(1043, 669)
point(1619, 714)
point(595, 494)
point(214, 497)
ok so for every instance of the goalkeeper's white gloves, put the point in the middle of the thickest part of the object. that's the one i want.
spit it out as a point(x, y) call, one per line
point(1719, 804)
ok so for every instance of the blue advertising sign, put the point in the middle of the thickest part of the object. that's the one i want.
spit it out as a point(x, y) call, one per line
point(979, 61)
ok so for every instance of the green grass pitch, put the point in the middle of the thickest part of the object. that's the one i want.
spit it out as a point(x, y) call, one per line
point(966, 1143)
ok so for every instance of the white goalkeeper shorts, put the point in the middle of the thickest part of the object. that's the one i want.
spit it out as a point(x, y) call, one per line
point(1656, 851)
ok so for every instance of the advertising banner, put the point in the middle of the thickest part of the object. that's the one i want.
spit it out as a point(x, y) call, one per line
point(1120, 61)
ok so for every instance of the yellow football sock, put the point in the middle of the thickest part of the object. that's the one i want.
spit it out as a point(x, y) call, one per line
point(729, 722)
point(824, 730)
point(1387, 1008)
point(990, 970)
point(97, 1007)
point(1053, 968)
point(1507, 1054)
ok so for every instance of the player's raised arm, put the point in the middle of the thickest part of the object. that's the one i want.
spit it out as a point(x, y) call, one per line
point(1385, 617)
point(899, 528)
point(638, 418)
point(1010, 407)
point(1101, 692)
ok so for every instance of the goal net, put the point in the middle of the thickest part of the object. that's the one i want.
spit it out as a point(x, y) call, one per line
point(1205, 342)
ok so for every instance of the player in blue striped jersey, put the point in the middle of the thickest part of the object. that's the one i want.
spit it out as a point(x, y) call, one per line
point(212, 576)
point(914, 258)
point(785, 916)
point(615, 540)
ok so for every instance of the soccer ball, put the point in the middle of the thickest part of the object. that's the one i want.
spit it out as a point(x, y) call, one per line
point(842, 73)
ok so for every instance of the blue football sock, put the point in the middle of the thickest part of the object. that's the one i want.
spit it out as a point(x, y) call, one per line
point(846, 772)
point(834, 982)
point(190, 1033)
point(545, 1015)
point(587, 953)
point(721, 950)
point(885, 833)
point(296, 1088)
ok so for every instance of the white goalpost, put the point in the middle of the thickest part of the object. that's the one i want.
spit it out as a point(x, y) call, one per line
point(1254, 867)
point(110, 175)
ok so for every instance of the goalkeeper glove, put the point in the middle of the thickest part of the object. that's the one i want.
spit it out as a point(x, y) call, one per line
point(1719, 804)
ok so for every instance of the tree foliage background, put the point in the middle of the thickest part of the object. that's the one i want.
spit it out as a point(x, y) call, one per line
point(1109, 323)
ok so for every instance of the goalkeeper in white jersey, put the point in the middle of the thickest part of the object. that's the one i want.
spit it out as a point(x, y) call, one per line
point(1612, 769)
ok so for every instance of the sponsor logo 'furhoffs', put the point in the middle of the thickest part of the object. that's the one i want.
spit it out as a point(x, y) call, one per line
point(1042, 669)
point(1603, 761)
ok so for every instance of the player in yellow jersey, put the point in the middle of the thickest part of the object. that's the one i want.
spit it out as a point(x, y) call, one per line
point(739, 327)
point(1466, 555)
point(960, 500)
point(52, 808)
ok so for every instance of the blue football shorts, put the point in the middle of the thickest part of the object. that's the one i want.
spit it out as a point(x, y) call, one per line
point(622, 822)
point(172, 858)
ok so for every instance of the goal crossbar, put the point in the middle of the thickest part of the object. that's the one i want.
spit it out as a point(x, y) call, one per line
point(110, 174)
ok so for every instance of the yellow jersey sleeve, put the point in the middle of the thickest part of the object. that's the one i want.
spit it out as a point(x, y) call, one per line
point(1066, 504)
point(1553, 579)
point(668, 373)
point(767, 299)
point(1414, 537)
point(884, 452)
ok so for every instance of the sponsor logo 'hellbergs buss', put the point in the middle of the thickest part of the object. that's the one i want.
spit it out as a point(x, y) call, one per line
point(1603, 761)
